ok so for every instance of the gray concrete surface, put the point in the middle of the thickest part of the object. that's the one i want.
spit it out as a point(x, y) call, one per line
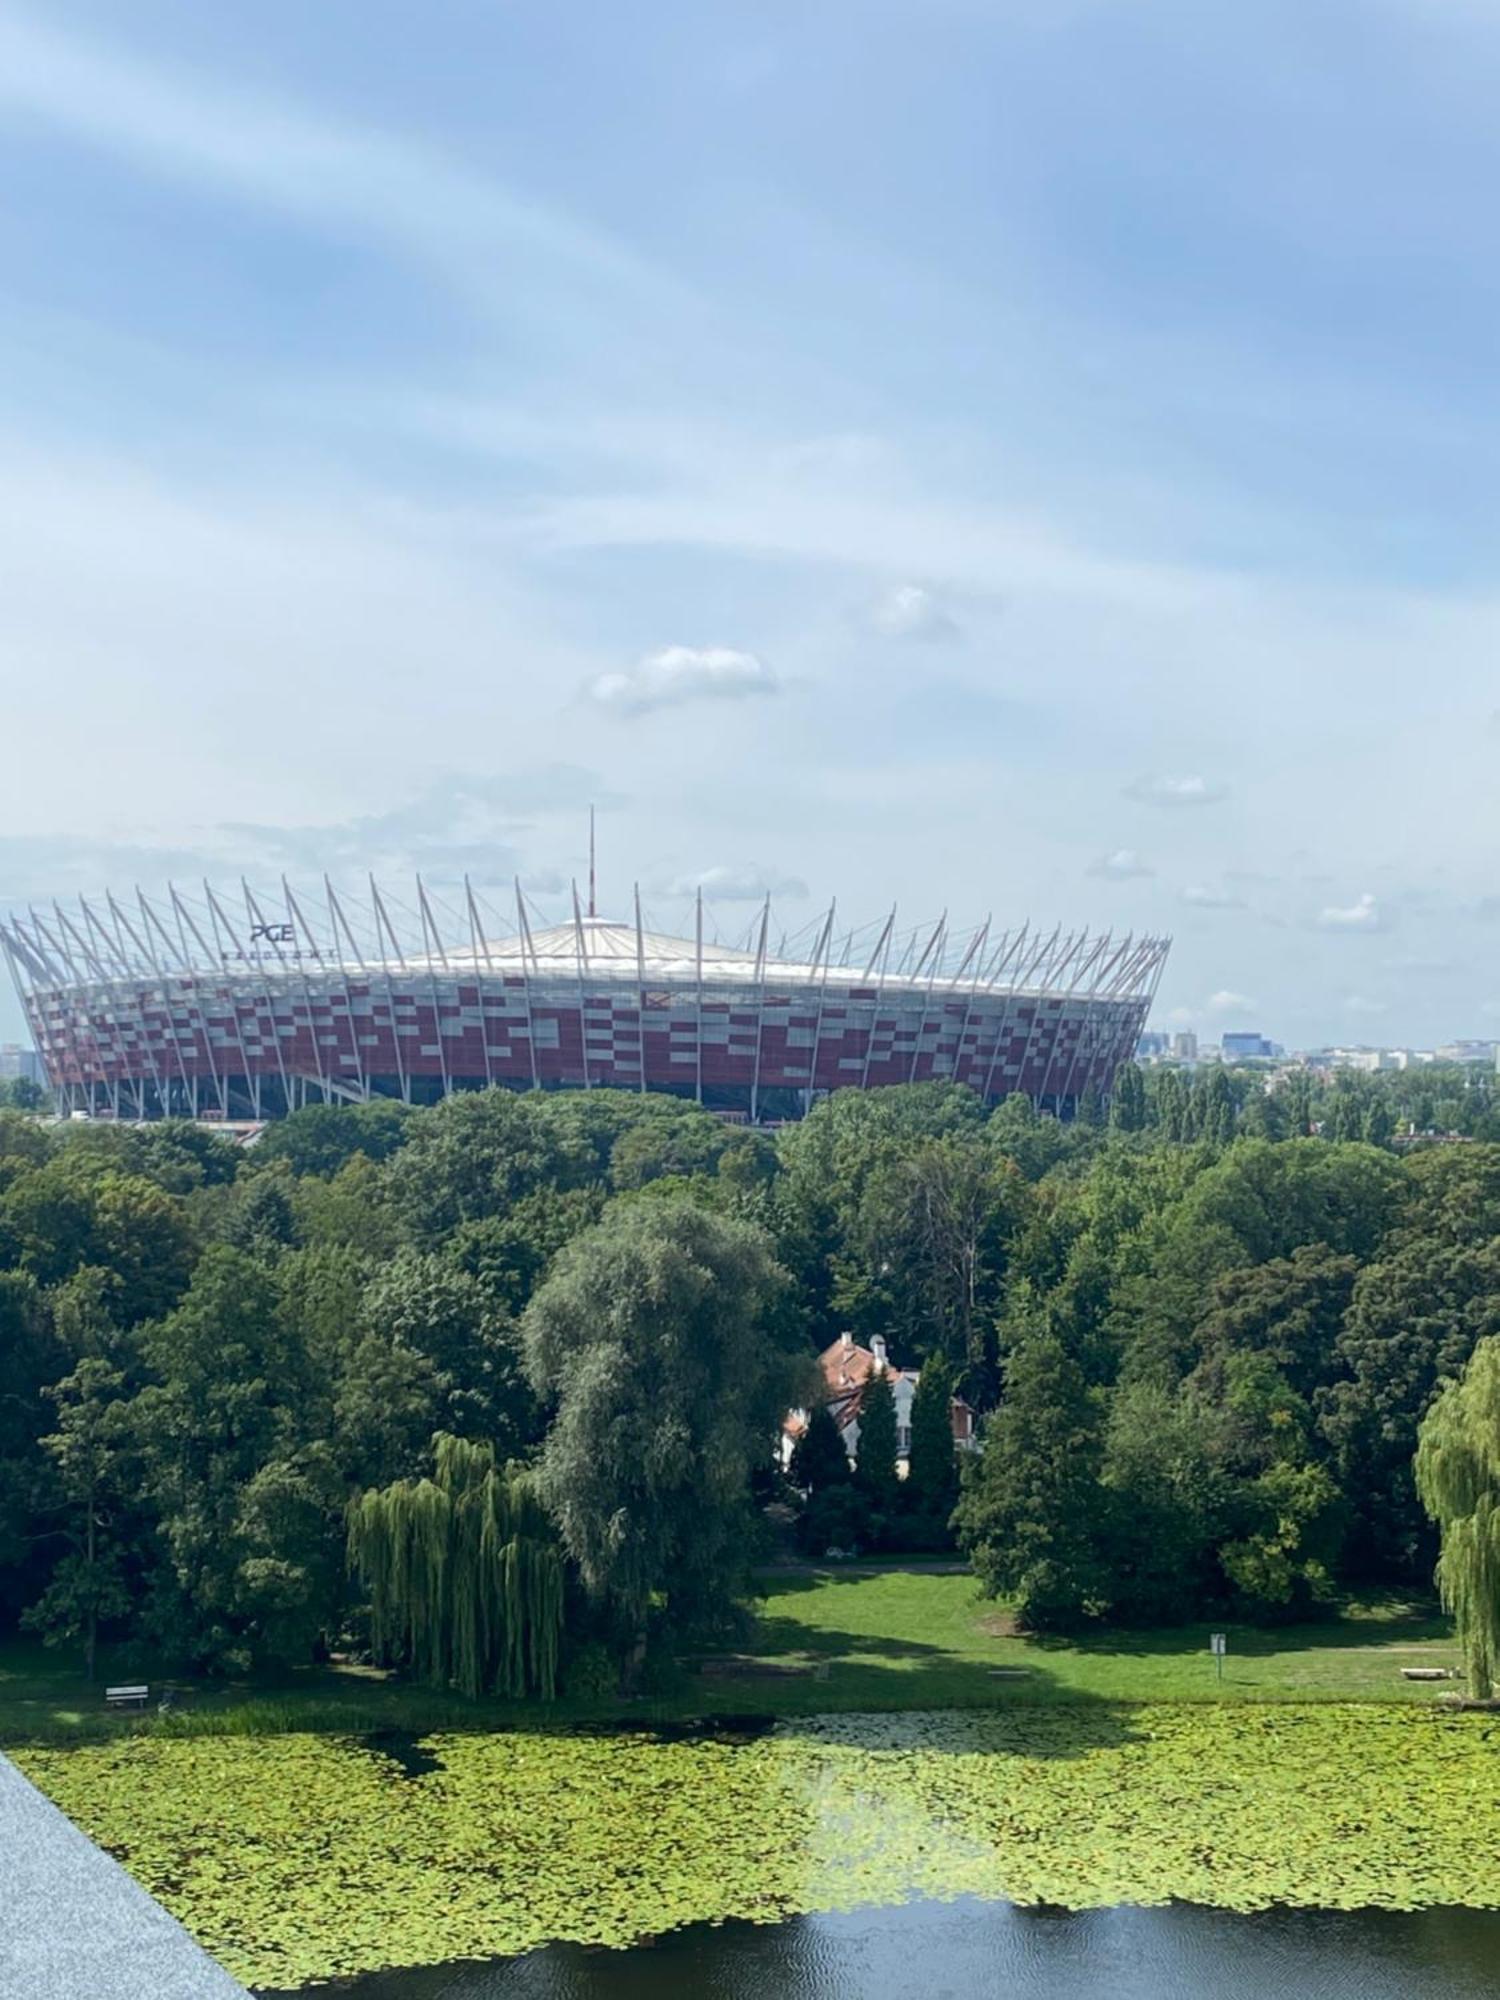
point(74, 1926)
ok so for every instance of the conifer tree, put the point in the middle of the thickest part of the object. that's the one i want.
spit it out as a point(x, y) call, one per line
point(818, 1458)
point(876, 1463)
point(933, 1474)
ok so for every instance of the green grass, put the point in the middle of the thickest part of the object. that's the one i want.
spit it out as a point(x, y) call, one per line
point(856, 1638)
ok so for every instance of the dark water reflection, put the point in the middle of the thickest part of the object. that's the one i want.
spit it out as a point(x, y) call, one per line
point(972, 1951)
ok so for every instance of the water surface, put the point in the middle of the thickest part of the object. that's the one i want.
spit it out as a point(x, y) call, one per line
point(971, 1950)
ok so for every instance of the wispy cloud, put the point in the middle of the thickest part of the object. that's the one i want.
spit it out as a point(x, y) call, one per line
point(911, 611)
point(1204, 896)
point(681, 674)
point(307, 166)
point(1186, 791)
point(1121, 866)
point(737, 885)
point(1226, 1001)
point(1363, 915)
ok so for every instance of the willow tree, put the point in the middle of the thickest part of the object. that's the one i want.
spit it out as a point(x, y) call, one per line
point(464, 1574)
point(1458, 1477)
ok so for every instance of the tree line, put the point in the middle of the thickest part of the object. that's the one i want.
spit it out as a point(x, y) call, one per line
point(489, 1390)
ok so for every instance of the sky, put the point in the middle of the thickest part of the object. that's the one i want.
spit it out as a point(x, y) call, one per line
point(972, 454)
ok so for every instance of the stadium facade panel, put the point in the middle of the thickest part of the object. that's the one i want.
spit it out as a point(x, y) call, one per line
point(174, 1007)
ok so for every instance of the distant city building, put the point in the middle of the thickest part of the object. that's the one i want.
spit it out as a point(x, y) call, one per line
point(1240, 1047)
point(1185, 1045)
point(1152, 1046)
point(19, 1065)
point(1467, 1052)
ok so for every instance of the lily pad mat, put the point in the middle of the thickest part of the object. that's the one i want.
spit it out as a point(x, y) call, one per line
point(300, 1857)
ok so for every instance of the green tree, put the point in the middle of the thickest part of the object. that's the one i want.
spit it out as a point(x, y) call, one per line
point(932, 1474)
point(1029, 1516)
point(875, 1455)
point(87, 1587)
point(464, 1575)
point(818, 1457)
point(1458, 1476)
point(1127, 1104)
point(234, 1392)
point(654, 1342)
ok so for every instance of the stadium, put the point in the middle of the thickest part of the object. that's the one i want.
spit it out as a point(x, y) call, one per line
point(238, 1008)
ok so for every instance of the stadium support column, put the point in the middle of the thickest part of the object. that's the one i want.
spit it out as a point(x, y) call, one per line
point(479, 944)
point(760, 1009)
point(94, 966)
point(382, 919)
point(185, 923)
point(1026, 968)
point(252, 1081)
point(1086, 960)
point(255, 917)
point(698, 1036)
point(882, 952)
point(975, 956)
point(432, 942)
point(1087, 1030)
point(580, 946)
point(640, 985)
point(337, 922)
point(936, 946)
point(822, 956)
point(527, 947)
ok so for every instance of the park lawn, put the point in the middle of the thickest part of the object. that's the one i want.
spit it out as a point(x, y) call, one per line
point(882, 1640)
point(825, 1641)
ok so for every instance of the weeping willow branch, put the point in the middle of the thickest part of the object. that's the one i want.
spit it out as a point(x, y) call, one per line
point(1458, 1477)
point(464, 1575)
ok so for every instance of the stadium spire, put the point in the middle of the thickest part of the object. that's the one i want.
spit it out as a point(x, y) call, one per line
point(593, 905)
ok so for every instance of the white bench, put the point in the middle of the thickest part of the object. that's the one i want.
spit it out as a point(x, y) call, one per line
point(127, 1697)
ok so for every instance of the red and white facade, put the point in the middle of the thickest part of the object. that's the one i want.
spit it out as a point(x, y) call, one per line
point(181, 1006)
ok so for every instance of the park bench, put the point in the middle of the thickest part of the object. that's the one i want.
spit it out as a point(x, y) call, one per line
point(127, 1697)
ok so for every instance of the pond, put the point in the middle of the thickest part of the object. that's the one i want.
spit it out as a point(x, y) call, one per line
point(968, 1949)
point(304, 1858)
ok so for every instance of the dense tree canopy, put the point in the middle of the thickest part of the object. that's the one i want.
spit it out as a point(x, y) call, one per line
point(1202, 1325)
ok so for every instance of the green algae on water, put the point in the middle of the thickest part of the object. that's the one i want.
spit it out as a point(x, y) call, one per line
point(301, 1858)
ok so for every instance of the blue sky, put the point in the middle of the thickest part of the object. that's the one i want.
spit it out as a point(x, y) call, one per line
point(1014, 457)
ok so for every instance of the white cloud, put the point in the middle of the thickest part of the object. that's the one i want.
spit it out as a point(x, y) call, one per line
point(1204, 897)
point(681, 674)
point(1121, 866)
point(737, 885)
point(1360, 1003)
point(1363, 915)
point(912, 612)
point(1226, 1002)
point(1185, 791)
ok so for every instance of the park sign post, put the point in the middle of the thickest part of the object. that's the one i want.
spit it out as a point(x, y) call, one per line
point(1219, 1645)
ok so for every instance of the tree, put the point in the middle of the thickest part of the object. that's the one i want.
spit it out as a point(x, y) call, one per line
point(427, 1304)
point(932, 1474)
point(875, 1458)
point(654, 1342)
point(87, 1586)
point(1029, 1516)
point(464, 1574)
point(1127, 1104)
point(1458, 1477)
point(819, 1459)
point(235, 1392)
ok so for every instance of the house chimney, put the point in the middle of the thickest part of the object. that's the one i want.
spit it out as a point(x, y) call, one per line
point(846, 1341)
point(877, 1348)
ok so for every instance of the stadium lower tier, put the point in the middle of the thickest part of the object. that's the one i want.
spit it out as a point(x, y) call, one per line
point(257, 1048)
